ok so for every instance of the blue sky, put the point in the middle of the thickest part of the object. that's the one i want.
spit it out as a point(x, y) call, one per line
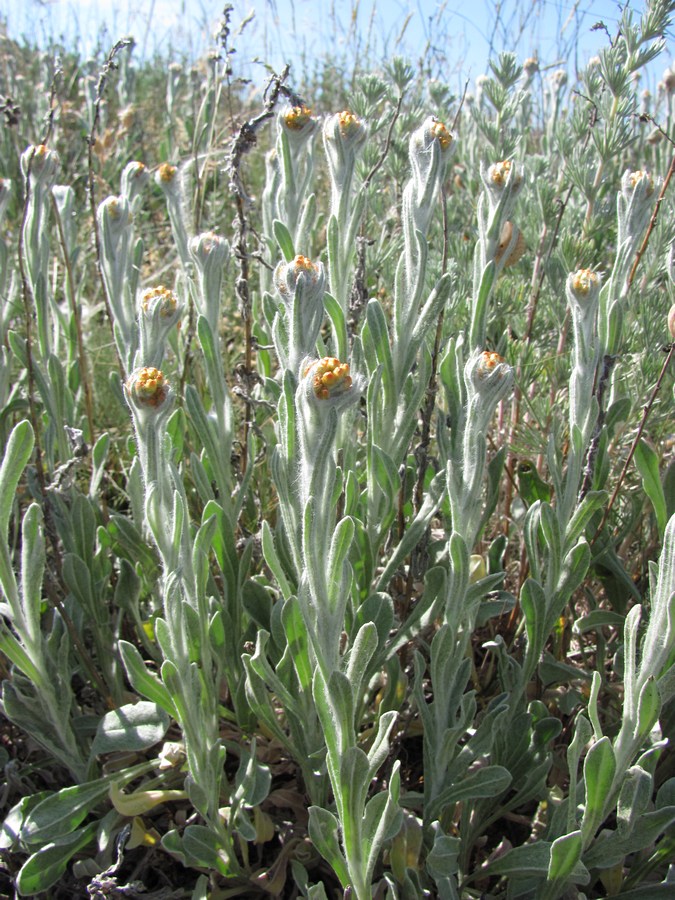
point(299, 31)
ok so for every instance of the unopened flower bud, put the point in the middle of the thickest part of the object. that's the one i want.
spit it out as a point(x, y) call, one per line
point(559, 79)
point(135, 177)
point(530, 67)
point(671, 322)
point(668, 80)
point(43, 164)
point(303, 271)
point(635, 204)
point(638, 180)
point(114, 213)
point(583, 287)
point(172, 755)
point(209, 247)
point(489, 373)
point(162, 298)
point(511, 246)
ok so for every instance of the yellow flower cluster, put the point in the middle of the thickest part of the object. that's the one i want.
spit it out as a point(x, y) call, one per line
point(584, 280)
point(296, 117)
point(162, 295)
point(149, 386)
point(331, 377)
point(349, 123)
point(442, 135)
point(489, 360)
point(167, 173)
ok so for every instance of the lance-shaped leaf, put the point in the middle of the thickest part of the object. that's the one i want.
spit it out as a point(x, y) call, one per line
point(599, 771)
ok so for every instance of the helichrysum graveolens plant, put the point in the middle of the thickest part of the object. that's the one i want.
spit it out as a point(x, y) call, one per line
point(310, 573)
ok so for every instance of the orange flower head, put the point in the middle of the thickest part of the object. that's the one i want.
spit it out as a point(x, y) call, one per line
point(584, 281)
point(148, 386)
point(349, 123)
point(296, 117)
point(488, 362)
point(162, 296)
point(167, 173)
point(331, 377)
point(442, 135)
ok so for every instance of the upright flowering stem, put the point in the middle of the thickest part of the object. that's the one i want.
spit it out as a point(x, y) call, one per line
point(190, 671)
point(39, 166)
point(115, 231)
point(502, 183)
point(210, 254)
point(430, 148)
point(583, 292)
point(488, 378)
point(296, 327)
point(295, 159)
point(344, 135)
point(170, 180)
point(634, 203)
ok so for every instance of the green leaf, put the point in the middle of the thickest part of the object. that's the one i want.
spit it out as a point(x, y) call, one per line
point(283, 239)
point(599, 770)
point(202, 848)
point(598, 618)
point(44, 868)
point(134, 726)
point(647, 463)
point(143, 681)
point(611, 847)
point(565, 854)
point(634, 798)
point(323, 833)
point(488, 782)
point(17, 453)
point(62, 812)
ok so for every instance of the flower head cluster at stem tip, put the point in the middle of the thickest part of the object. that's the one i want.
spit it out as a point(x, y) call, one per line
point(286, 275)
point(166, 173)
point(639, 176)
point(488, 362)
point(148, 387)
point(330, 378)
point(583, 287)
point(500, 171)
point(442, 135)
point(296, 117)
point(584, 280)
point(162, 296)
point(349, 123)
